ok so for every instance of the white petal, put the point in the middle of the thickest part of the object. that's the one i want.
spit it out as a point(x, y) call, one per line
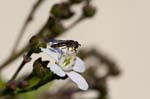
point(79, 65)
point(53, 53)
point(50, 43)
point(57, 70)
point(78, 79)
point(58, 51)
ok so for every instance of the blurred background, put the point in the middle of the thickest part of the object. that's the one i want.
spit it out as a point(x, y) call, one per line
point(120, 28)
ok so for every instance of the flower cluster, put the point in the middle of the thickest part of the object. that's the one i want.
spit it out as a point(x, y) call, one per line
point(67, 64)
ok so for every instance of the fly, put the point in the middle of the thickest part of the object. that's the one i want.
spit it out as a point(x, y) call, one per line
point(66, 43)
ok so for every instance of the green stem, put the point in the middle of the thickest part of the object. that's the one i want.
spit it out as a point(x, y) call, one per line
point(36, 82)
point(25, 60)
point(18, 70)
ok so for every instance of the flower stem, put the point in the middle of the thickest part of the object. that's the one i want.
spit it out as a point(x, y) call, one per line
point(74, 23)
point(25, 60)
point(13, 58)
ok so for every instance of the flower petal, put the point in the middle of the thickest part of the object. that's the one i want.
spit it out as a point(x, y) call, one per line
point(79, 65)
point(57, 70)
point(78, 79)
point(53, 53)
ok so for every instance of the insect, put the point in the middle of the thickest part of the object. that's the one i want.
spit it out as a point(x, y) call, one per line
point(66, 43)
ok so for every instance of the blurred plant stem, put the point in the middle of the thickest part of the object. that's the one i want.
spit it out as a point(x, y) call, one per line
point(26, 47)
point(25, 25)
point(26, 59)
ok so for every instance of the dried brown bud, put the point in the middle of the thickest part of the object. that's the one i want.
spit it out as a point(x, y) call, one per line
point(62, 11)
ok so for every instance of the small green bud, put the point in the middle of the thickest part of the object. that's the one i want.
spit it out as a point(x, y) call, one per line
point(76, 1)
point(35, 43)
point(46, 34)
point(89, 11)
point(57, 29)
point(55, 26)
point(62, 11)
point(40, 68)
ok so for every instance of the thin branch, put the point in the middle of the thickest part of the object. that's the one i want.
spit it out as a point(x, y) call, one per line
point(74, 23)
point(25, 25)
point(13, 58)
point(26, 59)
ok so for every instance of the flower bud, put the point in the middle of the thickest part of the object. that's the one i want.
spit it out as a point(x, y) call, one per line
point(40, 68)
point(35, 43)
point(89, 11)
point(57, 29)
point(114, 70)
point(76, 1)
point(47, 34)
point(62, 11)
point(55, 26)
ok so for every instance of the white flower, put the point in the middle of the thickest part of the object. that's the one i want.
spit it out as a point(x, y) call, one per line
point(67, 63)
